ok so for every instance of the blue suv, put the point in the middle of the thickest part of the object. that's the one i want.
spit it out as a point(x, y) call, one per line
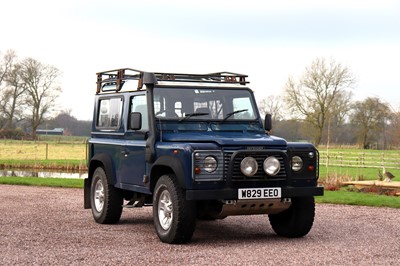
point(193, 146)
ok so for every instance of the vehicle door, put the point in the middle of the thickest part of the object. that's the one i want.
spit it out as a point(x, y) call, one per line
point(133, 164)
point(108, 134)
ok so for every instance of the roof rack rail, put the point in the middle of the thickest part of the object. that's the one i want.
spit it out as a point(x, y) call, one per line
point(117, 77)
point(219, 77)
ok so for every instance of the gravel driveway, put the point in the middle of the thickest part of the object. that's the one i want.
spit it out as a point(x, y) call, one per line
point(43, 226)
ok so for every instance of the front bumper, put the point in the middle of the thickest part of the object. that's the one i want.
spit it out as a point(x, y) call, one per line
point(232, 194)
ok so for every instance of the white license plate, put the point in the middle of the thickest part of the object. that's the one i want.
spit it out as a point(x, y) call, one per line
point(259, 193)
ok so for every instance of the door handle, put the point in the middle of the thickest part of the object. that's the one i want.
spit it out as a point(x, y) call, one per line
point(125, 153)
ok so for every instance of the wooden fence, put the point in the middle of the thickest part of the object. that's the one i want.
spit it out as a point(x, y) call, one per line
point(361, 159)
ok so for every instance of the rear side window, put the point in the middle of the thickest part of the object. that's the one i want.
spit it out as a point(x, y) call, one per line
point(109, 113)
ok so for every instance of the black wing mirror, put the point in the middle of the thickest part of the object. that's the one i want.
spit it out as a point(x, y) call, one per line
point(135, 121)
point(268, 122)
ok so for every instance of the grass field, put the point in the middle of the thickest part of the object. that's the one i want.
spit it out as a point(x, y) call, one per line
point(38, 150)
point(49, 154)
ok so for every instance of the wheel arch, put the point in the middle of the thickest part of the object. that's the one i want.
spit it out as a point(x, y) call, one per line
point(99, 160)
point(167, 165)
point(103, 160)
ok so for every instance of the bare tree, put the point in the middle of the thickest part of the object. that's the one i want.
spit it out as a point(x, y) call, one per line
point(11, 104)
point(369, 118)
point(319, 90)
point(272, 104)
point(341, 108)
point(6, 64)
point(338, 116)
point(42, 90)
point(393, 131)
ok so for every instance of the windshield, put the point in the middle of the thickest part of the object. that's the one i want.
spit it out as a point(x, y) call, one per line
point(204, 104)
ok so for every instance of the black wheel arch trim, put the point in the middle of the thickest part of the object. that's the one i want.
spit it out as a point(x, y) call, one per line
point(170, 162)
point(105, 161)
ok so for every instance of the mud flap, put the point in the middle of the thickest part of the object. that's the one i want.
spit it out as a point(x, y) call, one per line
point(86, 193)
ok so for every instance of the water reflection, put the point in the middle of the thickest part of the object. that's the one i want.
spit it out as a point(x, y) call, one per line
point(41, 173)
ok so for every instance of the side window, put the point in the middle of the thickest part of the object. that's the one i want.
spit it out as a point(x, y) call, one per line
point(109, 113)
point(138, 104)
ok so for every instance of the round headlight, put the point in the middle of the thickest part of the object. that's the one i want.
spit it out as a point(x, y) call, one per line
point(210, 164)
point(272, 166)
point(297, 163)
point(249, 166)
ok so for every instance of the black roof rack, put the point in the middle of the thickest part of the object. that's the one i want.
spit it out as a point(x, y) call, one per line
point(118, 76)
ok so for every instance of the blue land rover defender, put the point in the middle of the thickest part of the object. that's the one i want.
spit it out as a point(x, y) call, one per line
point(193, 147)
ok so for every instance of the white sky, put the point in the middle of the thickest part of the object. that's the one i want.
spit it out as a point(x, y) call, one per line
point(267, 40)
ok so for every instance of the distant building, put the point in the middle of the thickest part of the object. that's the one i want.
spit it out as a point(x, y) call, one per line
point(55, 131)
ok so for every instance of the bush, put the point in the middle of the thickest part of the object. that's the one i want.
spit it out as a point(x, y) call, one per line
point(334, 182)
point(17, 134)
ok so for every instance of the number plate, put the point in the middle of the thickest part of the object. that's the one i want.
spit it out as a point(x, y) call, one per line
point(259, 193)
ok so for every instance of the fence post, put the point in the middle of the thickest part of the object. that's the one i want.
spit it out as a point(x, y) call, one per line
point(363, 160)
point(341, 162)
point(327, 161)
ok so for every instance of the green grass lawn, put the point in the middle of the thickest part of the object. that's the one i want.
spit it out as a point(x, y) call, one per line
point(346, 197)
point(46, 182)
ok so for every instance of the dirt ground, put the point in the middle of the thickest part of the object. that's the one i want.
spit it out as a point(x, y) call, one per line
point(48, 226)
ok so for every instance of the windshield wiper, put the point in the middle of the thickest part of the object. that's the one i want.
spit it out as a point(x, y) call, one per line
point(232, 113)
point(187, 116)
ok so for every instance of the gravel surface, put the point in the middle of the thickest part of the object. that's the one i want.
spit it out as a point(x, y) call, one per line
point(48, 226)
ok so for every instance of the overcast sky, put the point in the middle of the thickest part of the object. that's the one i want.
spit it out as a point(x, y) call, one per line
point(267, 40)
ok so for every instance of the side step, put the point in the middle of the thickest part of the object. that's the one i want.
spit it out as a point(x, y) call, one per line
point(135, 202)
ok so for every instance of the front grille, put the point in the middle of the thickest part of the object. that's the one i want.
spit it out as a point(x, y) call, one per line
point(260, 157)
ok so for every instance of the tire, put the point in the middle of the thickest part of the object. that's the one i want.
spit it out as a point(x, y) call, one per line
point(174, 216)
point(105, 200)
point(295, 221)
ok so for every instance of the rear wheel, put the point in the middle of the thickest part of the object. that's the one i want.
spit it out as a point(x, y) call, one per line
point(105, 200)
point(174, 216)
point(295, 221)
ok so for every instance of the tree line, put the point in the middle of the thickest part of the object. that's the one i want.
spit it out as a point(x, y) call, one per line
point(318, 107)
point(28, 90)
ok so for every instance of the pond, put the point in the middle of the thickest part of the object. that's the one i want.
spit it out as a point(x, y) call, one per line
point(42, 173)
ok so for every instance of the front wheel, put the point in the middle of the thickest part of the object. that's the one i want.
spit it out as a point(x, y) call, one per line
point(174, 216)
point(295, 221)
point(105, 200)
